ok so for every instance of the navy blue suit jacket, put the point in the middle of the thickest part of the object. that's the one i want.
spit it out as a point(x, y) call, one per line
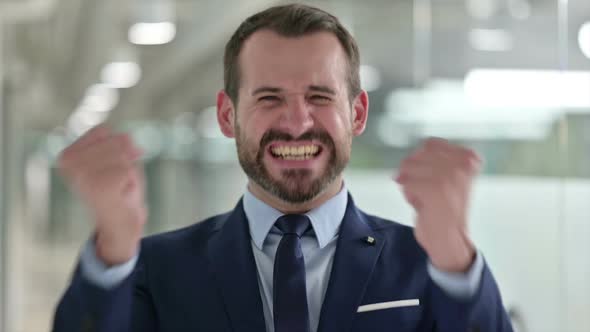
point(204, 278)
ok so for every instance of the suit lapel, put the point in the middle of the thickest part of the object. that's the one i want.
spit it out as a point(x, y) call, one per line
point(230, 254)
point(353, 264)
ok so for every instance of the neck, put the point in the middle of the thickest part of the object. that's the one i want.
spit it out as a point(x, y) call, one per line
point(296, 208)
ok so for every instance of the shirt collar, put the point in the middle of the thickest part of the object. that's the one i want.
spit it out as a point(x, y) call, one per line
point(325, 219)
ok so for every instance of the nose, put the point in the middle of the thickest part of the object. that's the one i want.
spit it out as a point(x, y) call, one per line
point(296, 118)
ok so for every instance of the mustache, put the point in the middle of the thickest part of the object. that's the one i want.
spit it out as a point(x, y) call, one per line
point(314, 134)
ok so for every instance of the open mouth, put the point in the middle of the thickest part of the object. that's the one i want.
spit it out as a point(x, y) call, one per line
point(299, 152)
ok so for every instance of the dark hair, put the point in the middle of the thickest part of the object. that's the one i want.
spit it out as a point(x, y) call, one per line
point(292, 20)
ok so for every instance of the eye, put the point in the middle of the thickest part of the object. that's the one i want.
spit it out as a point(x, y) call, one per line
point(269, 98)
point(320, 99)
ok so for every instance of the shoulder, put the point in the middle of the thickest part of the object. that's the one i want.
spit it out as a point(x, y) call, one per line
point(386, 227)
point(191, 237)
point(398, 237)
point(390, 229)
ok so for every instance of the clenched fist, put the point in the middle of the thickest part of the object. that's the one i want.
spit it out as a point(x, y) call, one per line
point(436, 180)
point(101, 168)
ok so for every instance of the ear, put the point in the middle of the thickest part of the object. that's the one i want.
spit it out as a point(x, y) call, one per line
point(225, 114)
point(360, 111)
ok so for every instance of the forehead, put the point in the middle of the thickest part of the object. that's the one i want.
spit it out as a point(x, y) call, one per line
point(292, 62)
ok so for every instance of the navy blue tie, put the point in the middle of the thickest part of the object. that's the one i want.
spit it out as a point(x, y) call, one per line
point(289, 294)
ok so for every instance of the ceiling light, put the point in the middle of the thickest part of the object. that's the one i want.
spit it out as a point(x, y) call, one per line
point(490, 40)
point(100, 98)
point(83, 120)
point(528, 88)
point(442, 109)
point(584, 39)
point(152, 33)
point(121, 75)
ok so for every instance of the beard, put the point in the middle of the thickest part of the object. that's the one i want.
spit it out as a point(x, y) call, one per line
point(294, 185)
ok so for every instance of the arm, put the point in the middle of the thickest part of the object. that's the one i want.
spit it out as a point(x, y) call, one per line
point(467, 301)
point(124, 307)
point(102, 169)
point(483, 311)
point(436, 180)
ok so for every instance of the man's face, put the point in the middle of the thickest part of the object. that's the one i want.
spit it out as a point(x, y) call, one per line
point(294, 121)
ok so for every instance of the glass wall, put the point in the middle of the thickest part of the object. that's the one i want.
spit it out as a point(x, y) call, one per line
point(509, 78)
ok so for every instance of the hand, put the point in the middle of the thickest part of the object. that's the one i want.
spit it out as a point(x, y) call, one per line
point(436, 180)
point(101, 167)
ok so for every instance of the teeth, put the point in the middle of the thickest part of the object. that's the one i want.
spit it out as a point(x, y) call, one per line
point(296, 153)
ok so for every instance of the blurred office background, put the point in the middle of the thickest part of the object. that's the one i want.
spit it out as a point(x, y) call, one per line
point(509, 78)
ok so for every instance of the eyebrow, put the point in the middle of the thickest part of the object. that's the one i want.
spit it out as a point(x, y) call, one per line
point(322, 88)
point(317, 88)
point(266, 89)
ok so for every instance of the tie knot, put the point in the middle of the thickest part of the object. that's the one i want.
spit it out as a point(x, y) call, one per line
point(293, 224)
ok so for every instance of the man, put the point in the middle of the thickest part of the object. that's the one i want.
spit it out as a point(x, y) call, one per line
point(295, 254)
